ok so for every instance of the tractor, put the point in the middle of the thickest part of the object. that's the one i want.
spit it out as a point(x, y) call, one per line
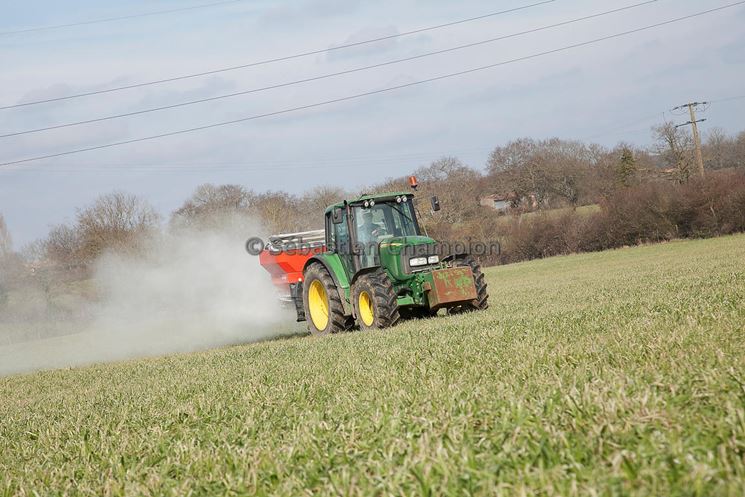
point(371, 266)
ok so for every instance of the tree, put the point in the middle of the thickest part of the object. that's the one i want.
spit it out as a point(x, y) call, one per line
point(116, 221)
point(718, 149)
point(739, 152)
point(312, 205)
point(211, 205)
point(547, 171)
point(278, 212)
point(456, 185)
point(674, 146)
point(626, 170)
point(517, 168)
point(217, 206)
point(63, 246)
point(515, 155)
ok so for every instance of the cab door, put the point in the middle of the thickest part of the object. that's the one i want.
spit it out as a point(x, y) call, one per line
point(340, 241)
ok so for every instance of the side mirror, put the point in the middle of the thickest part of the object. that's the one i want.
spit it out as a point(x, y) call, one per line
point(337, 216)
point(435, 204)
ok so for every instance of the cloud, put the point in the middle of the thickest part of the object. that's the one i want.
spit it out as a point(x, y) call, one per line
point(367, 49)
point(733, 53)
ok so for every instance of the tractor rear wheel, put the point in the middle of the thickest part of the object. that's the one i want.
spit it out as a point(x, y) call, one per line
point(375, 301)
point(481, 303)
point(323, 308)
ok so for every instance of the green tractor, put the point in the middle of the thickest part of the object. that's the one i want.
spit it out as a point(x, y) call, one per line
point(373, 265)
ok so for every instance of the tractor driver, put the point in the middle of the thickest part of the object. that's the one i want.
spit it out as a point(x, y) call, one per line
point(368, 230)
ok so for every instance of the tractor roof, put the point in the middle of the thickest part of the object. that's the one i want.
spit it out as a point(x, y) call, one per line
point(378, 197)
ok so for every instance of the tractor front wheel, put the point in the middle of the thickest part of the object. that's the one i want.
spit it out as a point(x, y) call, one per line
point(323, 308)
point(481, 302)
point(375, 301)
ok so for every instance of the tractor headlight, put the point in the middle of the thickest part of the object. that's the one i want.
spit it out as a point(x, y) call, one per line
point(404, 199)
point(433, 259)
point(399, 200)
point(418, 261)
point(372, 203)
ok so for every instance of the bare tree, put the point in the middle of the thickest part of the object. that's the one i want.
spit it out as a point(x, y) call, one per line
point(278, 212)
point(515, 155)
point(116, 221)
point(457, 186)
point(312, 205)
point(63, 246)
point(547, 171)
point(35, 253)
point(210, 205)
point(675, 145)
point(739, 152)
point(213, 206)
point(718, 149)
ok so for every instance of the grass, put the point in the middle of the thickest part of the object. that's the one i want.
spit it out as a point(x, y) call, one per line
point(581, 211)
point(617, 373)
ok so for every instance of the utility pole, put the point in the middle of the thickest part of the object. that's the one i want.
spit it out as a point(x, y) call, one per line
point(696, 135)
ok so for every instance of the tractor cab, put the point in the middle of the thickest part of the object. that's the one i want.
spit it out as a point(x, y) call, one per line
point(357, 229)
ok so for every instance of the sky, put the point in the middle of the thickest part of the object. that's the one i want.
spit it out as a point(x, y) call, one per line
point(606, 93)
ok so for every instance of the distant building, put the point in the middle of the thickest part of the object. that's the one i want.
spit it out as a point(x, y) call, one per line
point(500, 203)
point(503, 203)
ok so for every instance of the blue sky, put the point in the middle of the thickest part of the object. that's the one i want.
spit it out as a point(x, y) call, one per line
point(591, 92)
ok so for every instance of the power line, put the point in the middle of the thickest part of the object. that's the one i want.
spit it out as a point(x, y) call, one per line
point(319, 159)
point(650, 117)
point(197, 168)
point(270, 164)
point(374, 92)
point(622, 127)
point(119, 18)
point(277, 59)
point(727, 99)
point(322, 162)
point(326, 76)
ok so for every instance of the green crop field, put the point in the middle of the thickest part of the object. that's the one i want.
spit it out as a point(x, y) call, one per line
point(617, 373)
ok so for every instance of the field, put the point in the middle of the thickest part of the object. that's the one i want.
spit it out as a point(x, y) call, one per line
point(617, 373)
point(582, 211)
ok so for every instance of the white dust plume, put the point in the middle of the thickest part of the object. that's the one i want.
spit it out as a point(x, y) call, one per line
point(187, 290)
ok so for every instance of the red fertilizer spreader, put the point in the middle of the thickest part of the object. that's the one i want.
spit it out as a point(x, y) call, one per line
point(285, 257)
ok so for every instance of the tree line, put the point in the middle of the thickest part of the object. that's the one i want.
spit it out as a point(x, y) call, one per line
point(654, 193)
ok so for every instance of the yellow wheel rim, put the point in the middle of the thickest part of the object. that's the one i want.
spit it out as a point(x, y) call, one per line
point(365, 307)
point(318, 303)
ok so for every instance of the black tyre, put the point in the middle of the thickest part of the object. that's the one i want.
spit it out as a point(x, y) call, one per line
point(375, 301)
point(481, 303)
point(323, 307)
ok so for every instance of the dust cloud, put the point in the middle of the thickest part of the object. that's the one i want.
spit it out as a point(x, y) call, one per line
point(191, 290)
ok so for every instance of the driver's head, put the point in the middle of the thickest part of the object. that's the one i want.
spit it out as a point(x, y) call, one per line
point(367, 217)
